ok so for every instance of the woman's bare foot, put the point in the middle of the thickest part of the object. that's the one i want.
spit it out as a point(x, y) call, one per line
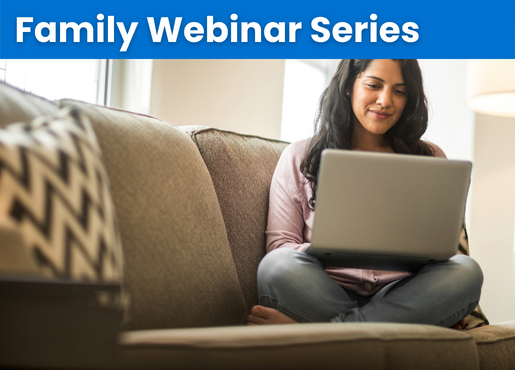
point(260, 315)
point(460, 325)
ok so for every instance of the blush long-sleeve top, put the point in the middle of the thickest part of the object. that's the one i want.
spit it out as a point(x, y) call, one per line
point(290, 221)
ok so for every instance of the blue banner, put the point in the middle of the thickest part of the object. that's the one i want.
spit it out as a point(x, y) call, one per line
point(265, 29)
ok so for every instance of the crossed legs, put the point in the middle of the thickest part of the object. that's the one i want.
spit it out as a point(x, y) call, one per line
point(293, 287)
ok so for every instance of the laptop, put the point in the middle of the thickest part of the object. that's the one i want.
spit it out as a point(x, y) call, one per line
point(386, 211)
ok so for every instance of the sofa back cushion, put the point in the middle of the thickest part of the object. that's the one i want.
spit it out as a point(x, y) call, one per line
point(19, 106)
point(241, 167)
point(179, 270)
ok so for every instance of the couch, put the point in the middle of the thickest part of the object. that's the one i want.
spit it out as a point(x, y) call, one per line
point(191, 203)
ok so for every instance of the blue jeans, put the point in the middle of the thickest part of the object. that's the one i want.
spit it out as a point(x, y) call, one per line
point(439, 294)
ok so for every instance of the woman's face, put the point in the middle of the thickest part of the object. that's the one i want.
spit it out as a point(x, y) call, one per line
point(379, 96)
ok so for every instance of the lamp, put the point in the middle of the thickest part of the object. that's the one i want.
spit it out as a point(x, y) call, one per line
point(491, 87)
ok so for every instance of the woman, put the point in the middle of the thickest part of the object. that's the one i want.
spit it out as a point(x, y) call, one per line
point(372, 105)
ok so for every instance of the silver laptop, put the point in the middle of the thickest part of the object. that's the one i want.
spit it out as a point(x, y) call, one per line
point(388, 211)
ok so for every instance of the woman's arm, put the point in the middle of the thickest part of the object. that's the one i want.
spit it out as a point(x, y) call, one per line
point(287, 203)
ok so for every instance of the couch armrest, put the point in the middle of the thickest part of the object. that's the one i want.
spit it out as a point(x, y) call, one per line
point(56, 324)
point(30, 287)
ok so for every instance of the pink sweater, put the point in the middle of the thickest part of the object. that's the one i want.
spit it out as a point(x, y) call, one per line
point(290, 221)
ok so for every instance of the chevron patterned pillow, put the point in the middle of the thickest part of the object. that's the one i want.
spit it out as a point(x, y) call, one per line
point(55, 191)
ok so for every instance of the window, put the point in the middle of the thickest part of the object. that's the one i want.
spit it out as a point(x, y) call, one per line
point(304, 82)
point(84, 80)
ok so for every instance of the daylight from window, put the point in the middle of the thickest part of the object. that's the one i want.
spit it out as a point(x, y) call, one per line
point(303, 84)
point(57, 79)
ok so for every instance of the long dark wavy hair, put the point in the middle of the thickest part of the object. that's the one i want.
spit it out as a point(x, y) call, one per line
point(334, 118)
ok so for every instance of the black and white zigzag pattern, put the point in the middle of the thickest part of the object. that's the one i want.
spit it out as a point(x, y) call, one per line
point(54, 187)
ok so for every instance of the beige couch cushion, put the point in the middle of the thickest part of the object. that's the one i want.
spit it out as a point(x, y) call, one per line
point(241, 167)
point(179, 269)
point(305, 346)
point(18, 106)
point(495, 346)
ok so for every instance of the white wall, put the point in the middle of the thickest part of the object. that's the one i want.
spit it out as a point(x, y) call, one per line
point(493, 214)
point(489, 143)
point(238, 95)
point(451, 123)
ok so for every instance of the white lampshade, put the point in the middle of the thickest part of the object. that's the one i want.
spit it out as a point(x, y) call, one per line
point(491, 87)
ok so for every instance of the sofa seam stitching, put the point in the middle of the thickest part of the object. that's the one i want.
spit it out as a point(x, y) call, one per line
point(493, 341)
point(206, 129)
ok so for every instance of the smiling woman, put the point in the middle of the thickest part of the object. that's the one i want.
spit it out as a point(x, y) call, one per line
point(373, 105)
point(378, 100)
point(343, 117)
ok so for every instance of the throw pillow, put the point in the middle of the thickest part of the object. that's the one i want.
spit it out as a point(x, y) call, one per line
point(54, 189)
